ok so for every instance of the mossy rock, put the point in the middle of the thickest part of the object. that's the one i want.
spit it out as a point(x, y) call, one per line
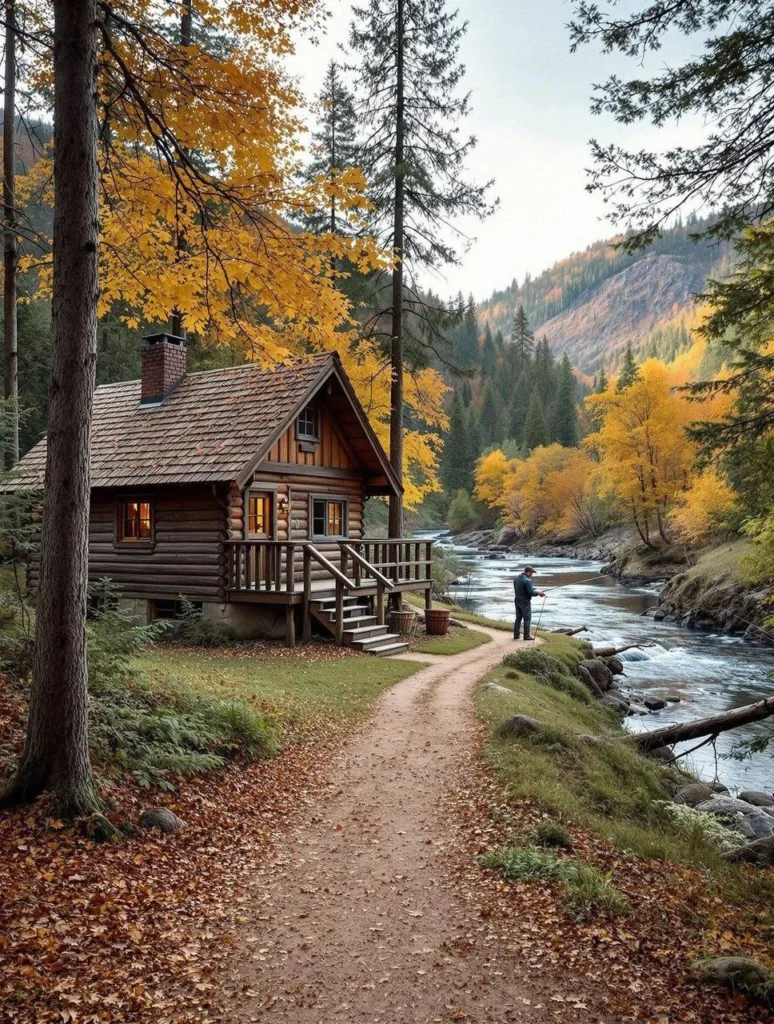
point(547, 670)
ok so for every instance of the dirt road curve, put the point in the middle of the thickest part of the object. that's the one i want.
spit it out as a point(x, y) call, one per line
point(357, 919)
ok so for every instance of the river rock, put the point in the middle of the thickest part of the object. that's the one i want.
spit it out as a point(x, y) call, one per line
point(522, 725)
point(756, 798)
point(508, 536)
point(616, 701)
point(654, 703)
point(615, 665)
point(638, 709)
point(659, 616)
point(760, 852)
point(739, 973)
point(726, 805)
point(717, 786)
point(693, 794)
point(661, 754)
point(162, 818)
point(599, 672)
point(758, 825)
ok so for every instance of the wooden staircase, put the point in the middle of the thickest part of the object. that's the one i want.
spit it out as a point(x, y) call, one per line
point(361, 628)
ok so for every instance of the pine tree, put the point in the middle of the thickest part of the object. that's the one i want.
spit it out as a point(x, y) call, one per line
point(488, 353)
point(601, 383)
point(544, 372)
point(334, 146)
point(491, 422)
point(467, 393)
point(466, 354)
point(520, 401)
point(522, 337)
point(454, 462)
point(409, 73)
point(629, 371)
point(564, 424)
point(535, 430)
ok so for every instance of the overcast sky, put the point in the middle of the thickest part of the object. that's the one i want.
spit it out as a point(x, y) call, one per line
point(530, 99)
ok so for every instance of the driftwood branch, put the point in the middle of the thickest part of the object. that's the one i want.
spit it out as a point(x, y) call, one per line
point(608, 652)
point(711, 726)
point(571, 632)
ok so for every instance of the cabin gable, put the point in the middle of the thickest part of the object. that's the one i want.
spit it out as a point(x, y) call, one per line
point(329, 449)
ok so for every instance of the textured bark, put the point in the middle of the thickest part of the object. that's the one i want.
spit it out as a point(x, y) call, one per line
point(177, 324)
point(56, 755)
point(395, 523)
point(711, 726)
point(10, 255)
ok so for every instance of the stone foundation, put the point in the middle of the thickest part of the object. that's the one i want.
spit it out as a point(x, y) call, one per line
point(137, 609)
point(248, 621)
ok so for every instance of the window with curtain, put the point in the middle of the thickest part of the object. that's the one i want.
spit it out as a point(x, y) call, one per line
point(259, 507)
point(135, 520)
point(329, 518)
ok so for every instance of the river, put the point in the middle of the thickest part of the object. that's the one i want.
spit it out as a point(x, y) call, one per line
point(710, 672)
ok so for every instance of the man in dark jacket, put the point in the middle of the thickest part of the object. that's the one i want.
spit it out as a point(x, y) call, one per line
point(523, 592)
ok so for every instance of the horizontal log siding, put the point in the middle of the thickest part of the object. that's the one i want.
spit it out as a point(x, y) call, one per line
point(331, 450)
point(187, 556)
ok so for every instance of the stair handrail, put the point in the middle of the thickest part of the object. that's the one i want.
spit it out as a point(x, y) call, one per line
point(334, 570)
point(365, 564)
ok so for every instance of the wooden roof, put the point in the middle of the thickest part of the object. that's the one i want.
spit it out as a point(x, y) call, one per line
point(215, 427)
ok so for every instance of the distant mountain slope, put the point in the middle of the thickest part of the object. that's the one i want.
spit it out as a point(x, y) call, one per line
point(594, 302)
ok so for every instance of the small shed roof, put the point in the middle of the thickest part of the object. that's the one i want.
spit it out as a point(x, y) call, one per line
point(215, 427)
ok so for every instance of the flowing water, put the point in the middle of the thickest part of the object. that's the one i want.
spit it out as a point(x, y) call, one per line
point(711, 673)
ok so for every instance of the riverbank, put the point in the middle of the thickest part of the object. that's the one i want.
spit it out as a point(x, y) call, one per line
point(704, 589)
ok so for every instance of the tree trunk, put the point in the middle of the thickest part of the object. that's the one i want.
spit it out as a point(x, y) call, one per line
point(711, 726)
point(609, 652)
point(56, 752)
point(395, 524)
point(177, 324)
point(10, 334)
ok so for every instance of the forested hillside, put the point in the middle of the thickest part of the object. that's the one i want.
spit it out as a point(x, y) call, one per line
point(595, 302)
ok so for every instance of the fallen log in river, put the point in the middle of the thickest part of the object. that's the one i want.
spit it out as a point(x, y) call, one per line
point(701, 727)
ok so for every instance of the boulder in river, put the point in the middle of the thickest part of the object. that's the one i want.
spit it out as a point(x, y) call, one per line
point(756, 798)
point(758, 825)
point(615, 699)
point(615, 665)
point(599, 672)
point(693, 794)
point(654, 703)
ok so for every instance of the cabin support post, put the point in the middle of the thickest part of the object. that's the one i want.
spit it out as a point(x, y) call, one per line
point(290, 626)
point(339, 613)
point(307, 626)
point(380, 604)
point(428, 599)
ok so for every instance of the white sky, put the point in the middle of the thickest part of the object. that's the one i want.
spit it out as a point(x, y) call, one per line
point(530, 100)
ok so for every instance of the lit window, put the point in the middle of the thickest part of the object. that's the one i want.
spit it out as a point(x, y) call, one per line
point(306, 427)
point(134, 521)
point(259, 515)
point(328, 518)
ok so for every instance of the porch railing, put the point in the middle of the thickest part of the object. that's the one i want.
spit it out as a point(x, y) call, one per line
point(261, 565)
point(401, 561)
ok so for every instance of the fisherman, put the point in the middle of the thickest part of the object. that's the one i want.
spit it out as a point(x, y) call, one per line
point(523, 592)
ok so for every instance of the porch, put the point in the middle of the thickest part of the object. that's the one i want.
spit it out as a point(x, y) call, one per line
point(344, 589)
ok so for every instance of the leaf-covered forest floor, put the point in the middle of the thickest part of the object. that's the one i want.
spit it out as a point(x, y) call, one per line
point(341, 880)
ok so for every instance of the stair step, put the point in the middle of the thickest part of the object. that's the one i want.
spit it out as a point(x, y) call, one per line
point(351, 609)
point(356, 622)
point(365, 632)
point(387, 649)
point(369, 644)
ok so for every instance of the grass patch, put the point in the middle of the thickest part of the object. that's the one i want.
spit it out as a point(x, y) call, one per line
point(460, 613)
point(585, 889)
point(306, 690)
point(603, 784)
point(455, 642)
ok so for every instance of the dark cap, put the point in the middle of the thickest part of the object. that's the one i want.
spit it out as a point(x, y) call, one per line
point(528, 568)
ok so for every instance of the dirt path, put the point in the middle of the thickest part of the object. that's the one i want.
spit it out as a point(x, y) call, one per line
point(358, 919)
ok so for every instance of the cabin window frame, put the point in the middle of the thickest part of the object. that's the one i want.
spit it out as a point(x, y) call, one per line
point(125, 543)
point(264, 492)
point(303, 434)
point(329, 499)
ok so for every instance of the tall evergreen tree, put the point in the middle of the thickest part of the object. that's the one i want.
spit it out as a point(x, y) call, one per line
point(544, 372)
point(455, 460)
point(334, 147)
point(564, 422)
point(466, 392)
point(10, 253)
point(629, 371)
point(466, 354)
point(517, 410)
point(535, 429)
point(488, 353)
point(522, 337)
point(408, 74)
point(491, 422)
point(601, 383)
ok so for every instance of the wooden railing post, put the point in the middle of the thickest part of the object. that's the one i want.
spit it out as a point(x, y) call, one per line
point(380, 604)
point(307, 625)
point(339, 613)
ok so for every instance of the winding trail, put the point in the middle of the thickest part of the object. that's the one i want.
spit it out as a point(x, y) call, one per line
point(358, 919)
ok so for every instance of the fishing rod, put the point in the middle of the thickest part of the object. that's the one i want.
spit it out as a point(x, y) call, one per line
point(589, 579)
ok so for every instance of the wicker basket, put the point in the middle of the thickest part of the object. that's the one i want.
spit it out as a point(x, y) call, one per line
point(437, 621)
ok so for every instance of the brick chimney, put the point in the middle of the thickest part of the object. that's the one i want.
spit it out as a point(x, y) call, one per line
point(163, 367)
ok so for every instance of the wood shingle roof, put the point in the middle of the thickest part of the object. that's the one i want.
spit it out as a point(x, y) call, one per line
point(213, 428)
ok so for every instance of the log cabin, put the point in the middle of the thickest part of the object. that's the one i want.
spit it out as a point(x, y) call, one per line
point(242, 490)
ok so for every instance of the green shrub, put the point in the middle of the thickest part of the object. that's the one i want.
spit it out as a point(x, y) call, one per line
point(552, 833)
point(193, 630)
point(585, 889)
point(701, 828)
